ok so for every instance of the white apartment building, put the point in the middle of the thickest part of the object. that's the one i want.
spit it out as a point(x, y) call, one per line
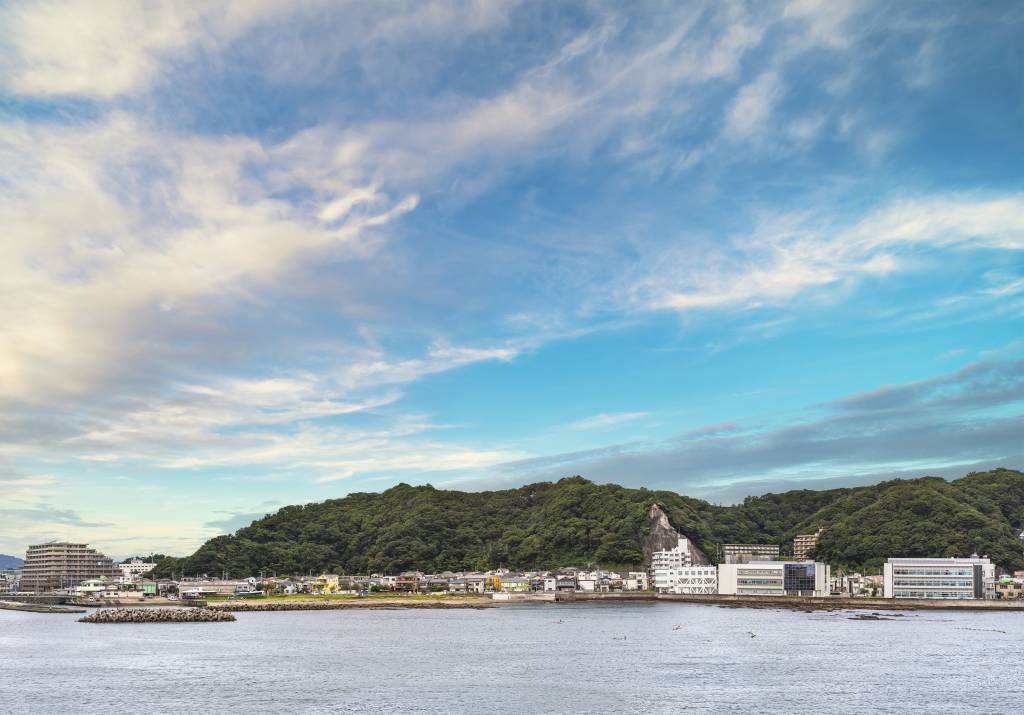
point(774, 578)
point(669, 561)
point(940, 578)
point(674, 558)
point(134, 568)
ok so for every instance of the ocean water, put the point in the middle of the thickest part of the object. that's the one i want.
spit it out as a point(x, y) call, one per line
point(533, 658)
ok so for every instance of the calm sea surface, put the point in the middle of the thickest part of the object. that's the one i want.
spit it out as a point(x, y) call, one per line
point(564, 658)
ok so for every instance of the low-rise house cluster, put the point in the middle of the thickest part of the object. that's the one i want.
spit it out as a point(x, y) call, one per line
point(477, 582)
point(9, 581)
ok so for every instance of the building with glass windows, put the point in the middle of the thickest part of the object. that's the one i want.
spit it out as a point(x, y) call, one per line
point(943, 578)
point(774, 578)
point(741, 553)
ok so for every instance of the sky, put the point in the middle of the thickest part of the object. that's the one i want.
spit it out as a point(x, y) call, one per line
point(263, 252)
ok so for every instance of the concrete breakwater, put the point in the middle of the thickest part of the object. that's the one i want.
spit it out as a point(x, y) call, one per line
point(348, 603)
point(157, 615)
point(38, 608)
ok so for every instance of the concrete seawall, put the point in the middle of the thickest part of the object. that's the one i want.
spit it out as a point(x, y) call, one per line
point(800, 602)
point(38, 608)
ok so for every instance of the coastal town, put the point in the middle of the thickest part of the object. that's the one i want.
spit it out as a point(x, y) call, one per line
point(76, 573)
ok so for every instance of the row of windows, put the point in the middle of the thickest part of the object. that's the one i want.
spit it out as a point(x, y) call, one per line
point(759, 582)
point(932, 572)
point(932, 594)
point(944, 583)
point(758, 572)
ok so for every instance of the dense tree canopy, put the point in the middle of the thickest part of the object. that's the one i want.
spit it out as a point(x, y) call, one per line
point(575, 521)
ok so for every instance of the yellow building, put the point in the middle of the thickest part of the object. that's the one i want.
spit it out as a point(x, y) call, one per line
point(326, 584)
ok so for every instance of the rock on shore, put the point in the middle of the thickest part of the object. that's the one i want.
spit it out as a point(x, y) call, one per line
point(156, 615)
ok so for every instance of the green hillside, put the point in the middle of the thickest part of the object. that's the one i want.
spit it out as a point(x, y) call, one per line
point(575, 521)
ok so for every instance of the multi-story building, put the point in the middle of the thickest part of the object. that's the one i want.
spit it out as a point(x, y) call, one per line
point(135, 568)
point(62, 565)
point(803, 544)
point(742, 553)
point(945, 578)
point(687, 579)
point(674, 558)
point(774, 578)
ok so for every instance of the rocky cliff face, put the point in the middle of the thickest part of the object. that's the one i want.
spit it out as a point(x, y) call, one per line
point(662, 535)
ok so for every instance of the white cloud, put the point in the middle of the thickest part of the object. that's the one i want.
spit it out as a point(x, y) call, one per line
point(113, 225)
point(605, 420)
point(104, 48)
point(790, 255)
point(753, 105)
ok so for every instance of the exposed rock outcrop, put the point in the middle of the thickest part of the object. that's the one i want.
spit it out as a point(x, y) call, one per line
point(662, 535)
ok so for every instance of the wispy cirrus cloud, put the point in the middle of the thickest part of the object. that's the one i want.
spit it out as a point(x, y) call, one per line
point(789, 256)
point(970, 416)
point(605, 420)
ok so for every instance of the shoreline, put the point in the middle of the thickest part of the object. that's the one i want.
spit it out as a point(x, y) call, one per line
point(397, 602)
point(798, 603)
point(792, 603)
point(38, 608)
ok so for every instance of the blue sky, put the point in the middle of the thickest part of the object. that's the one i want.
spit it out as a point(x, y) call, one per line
point(262, 253)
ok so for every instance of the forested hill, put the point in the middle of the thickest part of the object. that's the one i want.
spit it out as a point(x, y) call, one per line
point(575, 521)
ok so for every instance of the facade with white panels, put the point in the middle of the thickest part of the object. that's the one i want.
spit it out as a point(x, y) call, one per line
point(687, 580)
point(939, 578)
point(774, 578)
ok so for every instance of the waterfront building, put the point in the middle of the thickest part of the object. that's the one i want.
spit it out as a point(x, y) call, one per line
point(515, 584)
point(940, 578)
point(62, 565)
point(803, 544)
point(743, 553)
point(687, 580)
point(1010, 589)
point(774, 578)
point(635, 581)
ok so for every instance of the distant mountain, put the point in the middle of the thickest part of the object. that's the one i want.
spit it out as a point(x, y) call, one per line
point(577, 522)
point(10, 562)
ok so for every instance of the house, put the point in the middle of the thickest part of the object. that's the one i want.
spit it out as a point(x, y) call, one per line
point(565, 584)
point(476, 584)
point(408, 583)
point(326, 585)
point(515, 584)
point(1010, 589)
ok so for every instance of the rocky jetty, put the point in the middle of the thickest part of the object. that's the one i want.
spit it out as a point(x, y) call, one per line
point(157, 615)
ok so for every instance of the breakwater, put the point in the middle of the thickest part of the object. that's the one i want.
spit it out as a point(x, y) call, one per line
point(38, 608)
point(157, 615)
point(378, 603)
